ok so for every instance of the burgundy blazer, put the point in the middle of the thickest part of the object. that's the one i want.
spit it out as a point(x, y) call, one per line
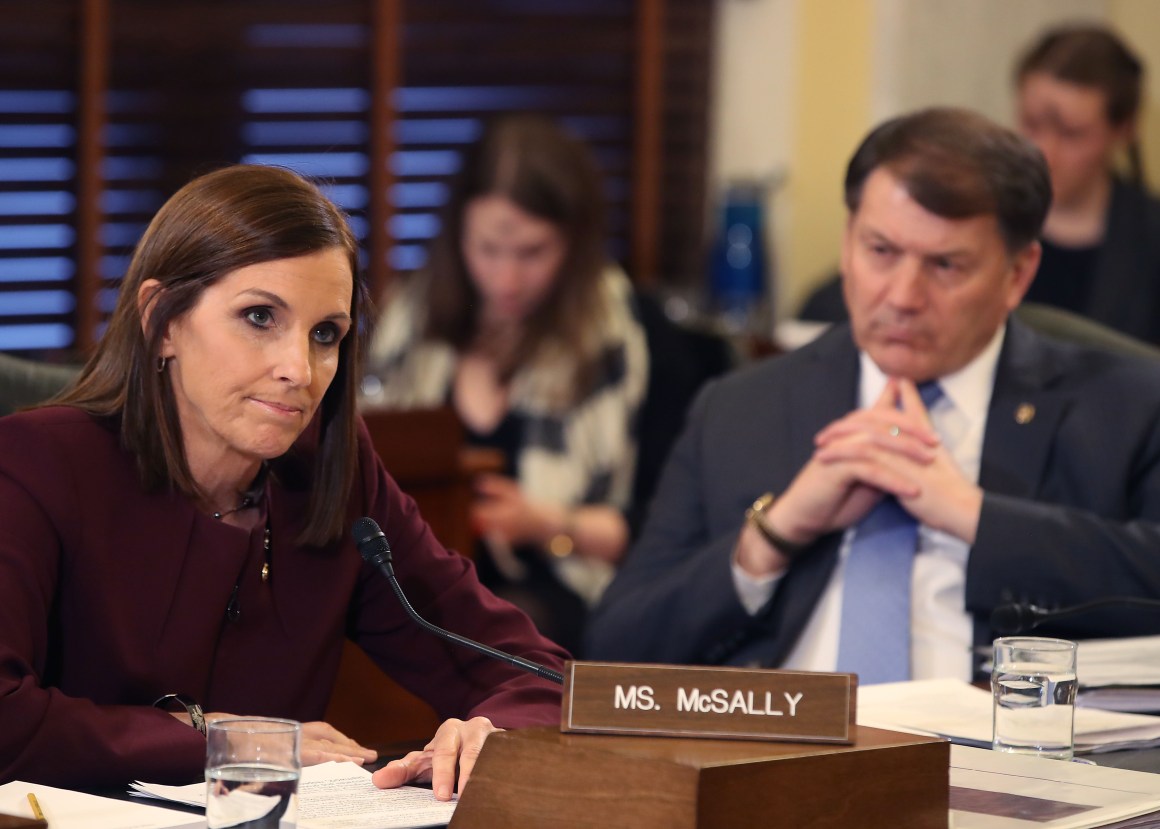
point(111, 597)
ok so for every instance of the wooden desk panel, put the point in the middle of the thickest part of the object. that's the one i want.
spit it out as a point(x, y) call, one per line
point(424, 452)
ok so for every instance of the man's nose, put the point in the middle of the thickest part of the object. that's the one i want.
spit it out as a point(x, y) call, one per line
point(908, 284)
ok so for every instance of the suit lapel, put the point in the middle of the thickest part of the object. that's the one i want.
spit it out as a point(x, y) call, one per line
point(1023, 417)
point(829, 391)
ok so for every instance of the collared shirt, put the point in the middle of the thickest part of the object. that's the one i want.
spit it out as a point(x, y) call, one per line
point(941, 628)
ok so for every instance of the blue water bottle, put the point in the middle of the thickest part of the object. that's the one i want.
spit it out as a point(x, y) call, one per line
point(739, 259)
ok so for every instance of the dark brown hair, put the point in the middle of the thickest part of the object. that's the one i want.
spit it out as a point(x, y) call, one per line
point(549, 174)
point(1092, 56)
point(957, 164)
point(234, 217)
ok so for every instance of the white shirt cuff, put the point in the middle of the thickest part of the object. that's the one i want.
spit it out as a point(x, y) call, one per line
point(753, 592)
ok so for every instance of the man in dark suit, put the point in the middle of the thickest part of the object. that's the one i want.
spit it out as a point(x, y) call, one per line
point(1030, 471)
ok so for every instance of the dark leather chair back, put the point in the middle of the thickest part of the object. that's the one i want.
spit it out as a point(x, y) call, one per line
point(681, 360)
point(1064, 325)
point(26, 382)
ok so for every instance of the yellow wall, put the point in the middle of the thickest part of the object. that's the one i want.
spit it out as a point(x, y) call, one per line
point(834, 53)
point(1139, 22)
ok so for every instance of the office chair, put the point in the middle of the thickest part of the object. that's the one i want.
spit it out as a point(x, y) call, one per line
point(27, 382)
point(1069, 327)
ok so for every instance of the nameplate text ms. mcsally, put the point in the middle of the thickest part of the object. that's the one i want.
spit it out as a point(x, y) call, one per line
point(684, 701)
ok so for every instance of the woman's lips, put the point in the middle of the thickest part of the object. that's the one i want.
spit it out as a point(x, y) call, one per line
point(280, 409)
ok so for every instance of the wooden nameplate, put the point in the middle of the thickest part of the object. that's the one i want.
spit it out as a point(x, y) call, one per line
point(541, 777)
point(712, 702)
point(16, 822)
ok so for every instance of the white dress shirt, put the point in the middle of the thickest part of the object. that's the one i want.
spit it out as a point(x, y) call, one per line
point(941, 628)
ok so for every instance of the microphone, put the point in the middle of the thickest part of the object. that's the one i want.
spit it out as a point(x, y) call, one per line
point(1017, 617)
point(373, 547)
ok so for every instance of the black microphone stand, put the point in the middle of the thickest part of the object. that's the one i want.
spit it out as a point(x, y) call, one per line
point(1018, 617)
point(375, 549)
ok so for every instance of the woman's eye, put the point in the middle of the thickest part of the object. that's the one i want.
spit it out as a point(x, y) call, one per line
point(326, 335)
point(260, 317)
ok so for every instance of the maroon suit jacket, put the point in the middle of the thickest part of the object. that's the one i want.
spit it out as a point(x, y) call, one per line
point(111, 597)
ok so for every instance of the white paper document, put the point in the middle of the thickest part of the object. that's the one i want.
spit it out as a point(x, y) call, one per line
point(995, 790)
point(337, 796)
point(66, 809)
point(963, 713)
point(1119, 674)
point(1134, 660)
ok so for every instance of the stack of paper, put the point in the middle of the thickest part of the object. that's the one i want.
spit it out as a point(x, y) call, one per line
point(995, 790)
point(963, 713)
point(330, 796)
point(66, 809)
point(1119, 674)
point(336, 796)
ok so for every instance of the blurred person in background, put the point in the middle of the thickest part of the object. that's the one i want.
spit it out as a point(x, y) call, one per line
point(521, 324)
point(1079, 91)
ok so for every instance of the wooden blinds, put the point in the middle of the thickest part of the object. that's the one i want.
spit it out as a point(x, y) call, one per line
point(108, 106)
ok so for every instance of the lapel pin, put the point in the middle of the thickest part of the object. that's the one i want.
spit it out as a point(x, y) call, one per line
point(1024, 413)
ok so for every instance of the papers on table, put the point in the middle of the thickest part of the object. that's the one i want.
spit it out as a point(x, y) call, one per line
point(962, 713)
point(994, 790)
point(1134, 660)
point(1120, 674)
point(336, 796)
point(65, 809)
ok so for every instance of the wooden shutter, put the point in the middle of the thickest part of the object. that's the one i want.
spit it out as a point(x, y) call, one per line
point(195, 86)
point(465, 60)
point(108, 106)
point(38, 174)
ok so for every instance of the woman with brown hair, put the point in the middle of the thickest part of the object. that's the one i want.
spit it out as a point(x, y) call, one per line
point(176, 527)
point(521, 325)
point(1078, 99)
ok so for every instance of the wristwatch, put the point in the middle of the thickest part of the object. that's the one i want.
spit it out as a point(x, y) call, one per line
point(563, 543)
point(754, 515)
point(196, 715)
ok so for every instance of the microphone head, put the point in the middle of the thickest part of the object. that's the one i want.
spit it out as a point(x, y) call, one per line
point(1012, 619)
point(372, 544)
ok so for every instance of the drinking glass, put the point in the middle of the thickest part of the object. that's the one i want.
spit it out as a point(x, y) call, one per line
point(1033, 684)
point(251, 773)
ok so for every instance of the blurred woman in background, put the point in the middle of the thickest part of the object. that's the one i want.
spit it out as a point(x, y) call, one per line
point(1079, 92)
point(520, 323)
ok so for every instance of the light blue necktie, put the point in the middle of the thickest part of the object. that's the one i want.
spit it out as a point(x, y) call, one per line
point(875, 634)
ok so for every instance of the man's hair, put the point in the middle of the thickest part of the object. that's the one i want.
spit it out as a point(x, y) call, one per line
point(957, 164)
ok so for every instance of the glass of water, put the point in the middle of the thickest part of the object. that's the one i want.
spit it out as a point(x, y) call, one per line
point(1033, 683)
point(251, 773)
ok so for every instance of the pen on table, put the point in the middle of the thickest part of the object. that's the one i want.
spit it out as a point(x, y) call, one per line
point(36, 813)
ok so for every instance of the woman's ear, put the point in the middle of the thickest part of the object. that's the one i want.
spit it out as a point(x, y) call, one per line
point(147, 295)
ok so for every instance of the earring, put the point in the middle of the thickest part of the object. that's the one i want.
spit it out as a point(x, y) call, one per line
point(161, 361)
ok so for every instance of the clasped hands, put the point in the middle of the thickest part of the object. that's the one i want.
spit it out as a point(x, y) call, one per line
point(889, 448)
